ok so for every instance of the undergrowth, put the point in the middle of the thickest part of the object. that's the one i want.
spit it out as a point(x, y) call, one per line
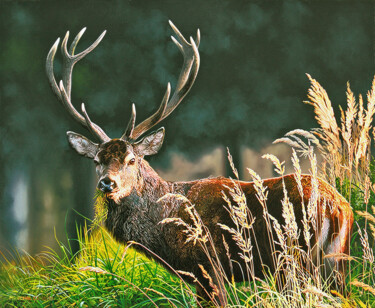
point(104, 273)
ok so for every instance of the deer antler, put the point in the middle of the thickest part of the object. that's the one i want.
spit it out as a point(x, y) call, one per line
point(63, 91)
point(185, 81)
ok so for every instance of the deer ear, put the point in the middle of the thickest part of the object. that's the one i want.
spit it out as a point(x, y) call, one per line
point(150, 144)
point(82, 145)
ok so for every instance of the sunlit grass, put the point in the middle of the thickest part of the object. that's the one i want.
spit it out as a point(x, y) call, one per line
point(102, 273)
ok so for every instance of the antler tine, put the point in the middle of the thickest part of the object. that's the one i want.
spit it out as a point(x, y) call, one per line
point(63, 90)
point(75, 41)
point(90, 124)
point(129, 129)
point(185, 81)
point(151, 121)
point(69, 60)
point(49, 68)
point(198, 39)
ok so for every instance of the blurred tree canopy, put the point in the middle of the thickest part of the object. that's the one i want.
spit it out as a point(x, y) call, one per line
point(254, 56)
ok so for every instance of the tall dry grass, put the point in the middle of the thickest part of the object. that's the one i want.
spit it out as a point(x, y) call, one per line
point(292, 285)
point(347, 165)
point(345, 146)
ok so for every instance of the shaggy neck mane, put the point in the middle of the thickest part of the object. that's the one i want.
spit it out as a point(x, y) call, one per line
point(149, 182)
point(137, 216)
point(142, 200)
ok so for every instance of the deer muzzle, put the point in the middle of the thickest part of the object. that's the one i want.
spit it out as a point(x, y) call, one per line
point(106, 185)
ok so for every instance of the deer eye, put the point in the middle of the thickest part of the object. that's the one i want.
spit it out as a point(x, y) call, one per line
point(132, 161)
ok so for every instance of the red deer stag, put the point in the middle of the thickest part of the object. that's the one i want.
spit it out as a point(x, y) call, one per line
point(133, 188)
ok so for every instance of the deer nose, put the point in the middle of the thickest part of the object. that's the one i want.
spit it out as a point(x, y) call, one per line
point(106, 185)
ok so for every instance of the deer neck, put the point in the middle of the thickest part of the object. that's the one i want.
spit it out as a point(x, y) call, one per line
point(150, 185)
point(137, 217)
point(144, 196)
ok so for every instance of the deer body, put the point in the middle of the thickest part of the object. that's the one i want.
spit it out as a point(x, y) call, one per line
point(133, 189)
point(138, 217)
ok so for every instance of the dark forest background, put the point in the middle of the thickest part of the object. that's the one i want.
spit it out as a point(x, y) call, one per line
point(249, 91)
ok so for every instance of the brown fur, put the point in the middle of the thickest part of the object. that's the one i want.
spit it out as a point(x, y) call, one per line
point(115, 149)
point(137, 217)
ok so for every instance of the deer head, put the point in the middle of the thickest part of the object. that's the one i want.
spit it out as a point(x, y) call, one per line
point(118, 160)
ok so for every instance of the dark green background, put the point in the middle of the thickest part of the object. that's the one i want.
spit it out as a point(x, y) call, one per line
point(249, 91)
